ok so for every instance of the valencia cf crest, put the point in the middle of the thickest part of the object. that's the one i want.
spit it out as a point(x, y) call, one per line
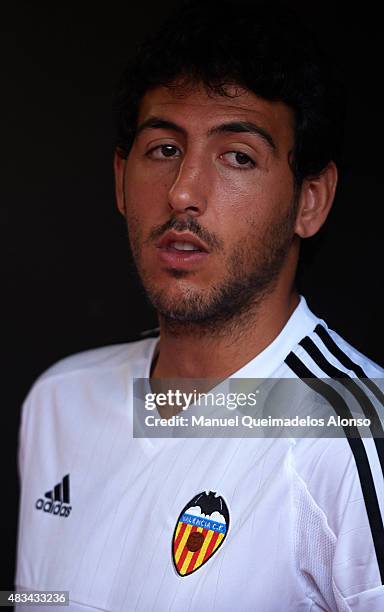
point(200, 531)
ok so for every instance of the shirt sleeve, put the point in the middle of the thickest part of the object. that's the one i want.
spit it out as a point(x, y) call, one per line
point(358, 565)
point(344, 481)
point(23, 457)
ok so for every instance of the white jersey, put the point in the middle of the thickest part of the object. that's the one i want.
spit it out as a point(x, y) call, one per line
point(177, 524)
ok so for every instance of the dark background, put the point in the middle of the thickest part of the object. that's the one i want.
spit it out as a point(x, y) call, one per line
point(66, 286)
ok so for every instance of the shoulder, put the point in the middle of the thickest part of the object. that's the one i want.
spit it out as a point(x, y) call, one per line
point(105, 369)
point(346, 354)
point(324, 352)
point(83, 388)
point(99, 359)
point(343, 477)
point(341, 381)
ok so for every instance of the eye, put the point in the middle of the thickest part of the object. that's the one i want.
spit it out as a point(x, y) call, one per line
point(164, 151)
point(238, 159)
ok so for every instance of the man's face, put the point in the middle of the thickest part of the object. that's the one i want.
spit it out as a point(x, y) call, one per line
point(208, 196)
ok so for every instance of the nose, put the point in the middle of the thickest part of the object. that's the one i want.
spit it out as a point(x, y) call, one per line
point(188, 193)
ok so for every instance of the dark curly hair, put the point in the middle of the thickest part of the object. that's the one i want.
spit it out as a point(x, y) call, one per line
point(261, 46)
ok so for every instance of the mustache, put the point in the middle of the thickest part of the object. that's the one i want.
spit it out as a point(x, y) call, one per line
point(191, 225)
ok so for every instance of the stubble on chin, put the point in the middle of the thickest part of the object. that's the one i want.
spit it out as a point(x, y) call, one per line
point(250, 273)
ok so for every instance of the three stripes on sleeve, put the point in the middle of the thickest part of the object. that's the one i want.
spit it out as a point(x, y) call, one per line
point(351, 376)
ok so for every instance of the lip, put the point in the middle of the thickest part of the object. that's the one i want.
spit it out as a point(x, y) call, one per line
point(172, 236)
point(181, 260)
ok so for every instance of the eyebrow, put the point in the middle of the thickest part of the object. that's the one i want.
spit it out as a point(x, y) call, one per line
point(232, 127)
point(248, 127)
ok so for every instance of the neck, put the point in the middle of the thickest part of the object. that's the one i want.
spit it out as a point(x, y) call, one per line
point(190, 353)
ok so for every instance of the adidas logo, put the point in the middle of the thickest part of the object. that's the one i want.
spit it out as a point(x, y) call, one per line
point(56, 501)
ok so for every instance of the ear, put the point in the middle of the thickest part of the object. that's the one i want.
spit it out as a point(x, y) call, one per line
point(119, 168)
point(315, 201)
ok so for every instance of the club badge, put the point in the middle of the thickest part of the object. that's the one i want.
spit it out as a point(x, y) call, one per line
point(200, 531)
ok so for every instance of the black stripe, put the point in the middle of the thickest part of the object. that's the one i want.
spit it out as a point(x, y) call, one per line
point(66, 489)
point(369, 410)
point(57, 492)
point(358, 450)
point(347, 362)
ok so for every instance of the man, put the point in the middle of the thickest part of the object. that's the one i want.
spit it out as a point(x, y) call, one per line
point(229, 132)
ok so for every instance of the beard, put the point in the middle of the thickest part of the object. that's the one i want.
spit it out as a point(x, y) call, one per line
point(251, 272)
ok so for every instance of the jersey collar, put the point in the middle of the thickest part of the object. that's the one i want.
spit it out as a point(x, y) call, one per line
point(301, 323)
